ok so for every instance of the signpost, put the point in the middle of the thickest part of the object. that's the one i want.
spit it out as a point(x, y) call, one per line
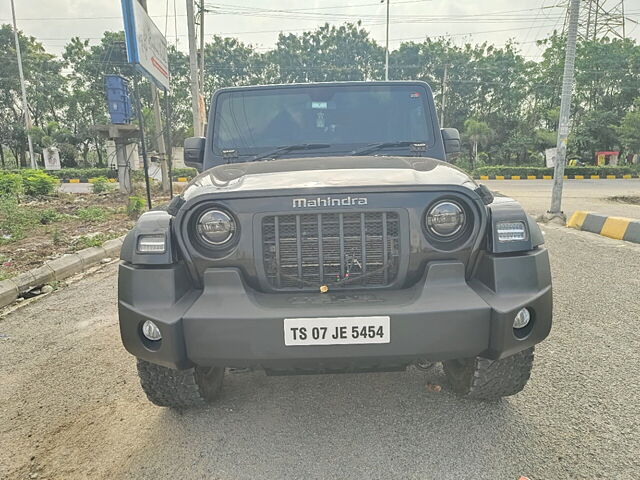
point(147, 51)
point(146, 46)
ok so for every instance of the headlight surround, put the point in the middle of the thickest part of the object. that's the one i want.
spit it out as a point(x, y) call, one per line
point(215, 227)
point(445, 219)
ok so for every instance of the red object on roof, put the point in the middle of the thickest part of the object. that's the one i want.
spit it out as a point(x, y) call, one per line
point(607, 153)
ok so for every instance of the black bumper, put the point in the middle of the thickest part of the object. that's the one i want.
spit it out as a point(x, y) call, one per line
point(443, 317)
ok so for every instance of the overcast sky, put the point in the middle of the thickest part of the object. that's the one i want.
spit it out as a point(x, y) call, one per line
point(258, 22)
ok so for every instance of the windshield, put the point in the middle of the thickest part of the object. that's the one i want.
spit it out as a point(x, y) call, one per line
point(342, 116)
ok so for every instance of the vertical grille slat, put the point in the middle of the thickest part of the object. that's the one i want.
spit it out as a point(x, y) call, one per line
point(363, 239)
point(341, 239)
point(320, 252)
point(385, 253)
point(299, 247)
point(277, 245)
point(342, 250)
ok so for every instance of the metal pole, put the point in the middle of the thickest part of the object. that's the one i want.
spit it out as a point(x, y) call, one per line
point(169, 142)
point(193, 67)
point(143, 144)
point(25, 104)
point(386, 53)
point(444, 96)
point(565, 109)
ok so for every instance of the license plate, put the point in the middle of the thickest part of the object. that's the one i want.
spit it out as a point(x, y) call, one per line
point(336, 330)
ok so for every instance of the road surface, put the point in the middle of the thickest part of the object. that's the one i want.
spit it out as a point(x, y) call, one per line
point(71, 406)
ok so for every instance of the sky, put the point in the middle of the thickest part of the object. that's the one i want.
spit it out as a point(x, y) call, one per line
point(258, 22)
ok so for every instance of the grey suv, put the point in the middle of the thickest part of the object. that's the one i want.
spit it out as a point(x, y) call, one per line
point(327, 233)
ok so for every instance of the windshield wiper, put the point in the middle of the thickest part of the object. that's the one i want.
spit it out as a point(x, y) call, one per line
point(420, 146)
point(290, 148)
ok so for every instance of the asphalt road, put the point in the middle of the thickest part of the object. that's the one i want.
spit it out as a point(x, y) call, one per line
point(593, 195)
point(71, 406)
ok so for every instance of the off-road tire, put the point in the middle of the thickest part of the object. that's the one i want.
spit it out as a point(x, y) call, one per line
point(484, 379)
point(180, 389)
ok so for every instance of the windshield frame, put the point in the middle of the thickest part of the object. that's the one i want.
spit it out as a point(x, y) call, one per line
point(246, 154)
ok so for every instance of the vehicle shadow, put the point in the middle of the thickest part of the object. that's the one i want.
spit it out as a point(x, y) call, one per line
point(385, 425)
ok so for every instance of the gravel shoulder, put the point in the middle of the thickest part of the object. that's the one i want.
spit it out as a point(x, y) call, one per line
point(71, 406)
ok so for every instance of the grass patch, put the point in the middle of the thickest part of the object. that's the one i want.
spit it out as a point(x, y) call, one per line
point(92, 214)
point(15, 220)
point(87, 241)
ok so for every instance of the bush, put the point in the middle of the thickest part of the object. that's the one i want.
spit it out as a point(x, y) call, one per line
point(49, 216)
point(37, 183)
point(135, 207)
point(188, 173)
point(92, 214)
point(508, 171)
point(100, 184)
point(84, 173)
point(11, 184)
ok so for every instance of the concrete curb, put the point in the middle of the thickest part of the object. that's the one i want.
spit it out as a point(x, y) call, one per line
point(56, 270)
point(619, 228)
point(550, 177)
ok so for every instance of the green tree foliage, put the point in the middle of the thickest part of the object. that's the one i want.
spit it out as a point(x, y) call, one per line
point(506, 105)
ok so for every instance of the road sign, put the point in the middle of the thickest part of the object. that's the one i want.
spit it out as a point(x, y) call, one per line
point(51, 158)
point(146, 46)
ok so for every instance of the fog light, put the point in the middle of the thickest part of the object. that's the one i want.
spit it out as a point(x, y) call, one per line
point(151, 331)
point(522, 318)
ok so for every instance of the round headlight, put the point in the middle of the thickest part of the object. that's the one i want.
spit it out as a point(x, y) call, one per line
point(216, 227)
point(445, 219)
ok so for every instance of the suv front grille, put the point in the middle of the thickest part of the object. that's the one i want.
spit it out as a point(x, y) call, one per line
point(339, 250)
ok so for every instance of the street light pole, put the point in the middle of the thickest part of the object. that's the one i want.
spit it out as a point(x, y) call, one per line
point(25, 104)
point(386, 53)
point(565, 110)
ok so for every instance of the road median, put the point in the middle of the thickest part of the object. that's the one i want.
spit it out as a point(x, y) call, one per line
point(619, 228)
point(56, 270)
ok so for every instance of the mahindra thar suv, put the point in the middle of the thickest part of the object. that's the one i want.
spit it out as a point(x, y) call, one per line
point(327, 232)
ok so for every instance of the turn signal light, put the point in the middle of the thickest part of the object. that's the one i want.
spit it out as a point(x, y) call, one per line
point(151, 244)
point(511, 231)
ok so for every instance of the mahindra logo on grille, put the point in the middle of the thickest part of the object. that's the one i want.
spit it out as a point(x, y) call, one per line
point(347, 201)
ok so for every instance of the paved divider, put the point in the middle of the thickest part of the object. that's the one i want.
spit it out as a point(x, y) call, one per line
point(550, 177)
point(56, 270)
point(619, 228)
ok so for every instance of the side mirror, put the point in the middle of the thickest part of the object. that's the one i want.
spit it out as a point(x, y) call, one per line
point(194, 152)
point(451, 139)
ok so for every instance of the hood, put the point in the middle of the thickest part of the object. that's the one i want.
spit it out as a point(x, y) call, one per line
point(329, 172)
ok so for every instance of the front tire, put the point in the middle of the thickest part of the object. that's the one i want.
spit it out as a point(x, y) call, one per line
point(180, 389)
point(485, 379)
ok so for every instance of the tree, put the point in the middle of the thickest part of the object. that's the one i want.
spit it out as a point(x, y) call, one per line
point(477, 133)
point(629, 130)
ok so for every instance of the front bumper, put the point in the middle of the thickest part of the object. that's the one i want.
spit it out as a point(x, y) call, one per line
point(442, 317)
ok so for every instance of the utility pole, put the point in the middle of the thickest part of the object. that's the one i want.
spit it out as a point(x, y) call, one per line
point(444, 95)
point(25, 104)
point(386, 53)
point(201, 82)
point(565, 110)
point(193, 67)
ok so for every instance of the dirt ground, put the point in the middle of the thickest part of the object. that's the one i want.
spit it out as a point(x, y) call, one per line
point(71, 406)
point(79, 221)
